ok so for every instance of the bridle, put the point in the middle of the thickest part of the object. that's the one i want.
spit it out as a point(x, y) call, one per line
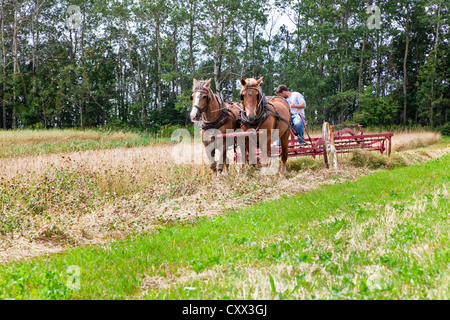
point(203, 90)
point(261, 108)
point(222, 118)
point(258, 95)
point(263, 111)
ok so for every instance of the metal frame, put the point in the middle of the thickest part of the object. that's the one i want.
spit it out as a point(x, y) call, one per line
point(331, 143)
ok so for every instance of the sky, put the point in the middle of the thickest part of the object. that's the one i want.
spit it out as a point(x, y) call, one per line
point(280, 19)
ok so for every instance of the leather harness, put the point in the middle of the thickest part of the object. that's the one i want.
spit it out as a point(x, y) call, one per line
point(224, 115)
point(263, 112)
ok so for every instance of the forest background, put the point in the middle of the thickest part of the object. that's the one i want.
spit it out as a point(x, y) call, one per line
point(130, 64)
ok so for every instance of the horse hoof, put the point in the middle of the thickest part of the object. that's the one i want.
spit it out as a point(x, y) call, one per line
point(222, 173)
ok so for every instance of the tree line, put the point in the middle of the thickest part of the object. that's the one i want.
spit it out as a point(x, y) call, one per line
point(131, 63)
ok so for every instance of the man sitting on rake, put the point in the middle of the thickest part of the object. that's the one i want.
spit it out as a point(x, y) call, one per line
point(298, 104)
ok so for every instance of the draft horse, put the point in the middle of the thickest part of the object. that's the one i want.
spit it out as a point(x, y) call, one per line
point(260, 113)
point(215, 115)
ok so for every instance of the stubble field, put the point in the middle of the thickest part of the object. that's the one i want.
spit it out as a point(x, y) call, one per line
point(142, 223)
point(54, 201)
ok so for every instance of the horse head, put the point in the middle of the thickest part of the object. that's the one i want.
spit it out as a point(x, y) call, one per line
point(251, 97)
point(200, 97)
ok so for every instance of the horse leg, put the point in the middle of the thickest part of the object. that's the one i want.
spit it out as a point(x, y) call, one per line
point(222, 160)
point(265, 147)
point(251, 147)
point(284, 151)
point(226, 157)
point(212, 160)
point(213, 164)
point(225, 164)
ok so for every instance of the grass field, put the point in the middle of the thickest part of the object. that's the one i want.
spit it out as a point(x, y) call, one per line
point(337, 242)
point(22, 143)
point(328, 240)
point(25, 142)
point(127, 216)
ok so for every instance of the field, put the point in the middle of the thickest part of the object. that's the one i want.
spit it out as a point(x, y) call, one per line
point(128, 216)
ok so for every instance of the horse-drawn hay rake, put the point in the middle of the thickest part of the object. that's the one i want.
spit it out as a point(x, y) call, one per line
point(256, 114)
point(330, 143)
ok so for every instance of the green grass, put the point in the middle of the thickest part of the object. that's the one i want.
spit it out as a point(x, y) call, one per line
point(385, 236)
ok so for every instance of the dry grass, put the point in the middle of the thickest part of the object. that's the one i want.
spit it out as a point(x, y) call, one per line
point(22, 143)
point(405, 141)
point(98, 196)
point(49, 202)
point(25, 137)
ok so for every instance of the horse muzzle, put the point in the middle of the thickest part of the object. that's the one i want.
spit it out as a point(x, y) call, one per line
point(251, 117)
point(195, 114)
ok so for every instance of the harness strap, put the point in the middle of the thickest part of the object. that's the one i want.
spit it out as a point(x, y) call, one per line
point(277, 114)
point(224, 116)
point(264, 114)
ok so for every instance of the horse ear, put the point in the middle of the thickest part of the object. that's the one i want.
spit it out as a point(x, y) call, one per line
point(243, 82)
point(208, 83)
point(260, 80)
point(194, 82)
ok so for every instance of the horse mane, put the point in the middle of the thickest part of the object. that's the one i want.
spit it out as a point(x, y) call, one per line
point(249, 82)
point(200, 84)
point(252, 82)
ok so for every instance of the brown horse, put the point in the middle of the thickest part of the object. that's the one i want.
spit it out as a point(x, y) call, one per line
point(216, 118)
point(262, 114)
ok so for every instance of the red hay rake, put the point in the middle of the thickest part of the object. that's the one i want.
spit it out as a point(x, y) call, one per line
point(331, 143)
